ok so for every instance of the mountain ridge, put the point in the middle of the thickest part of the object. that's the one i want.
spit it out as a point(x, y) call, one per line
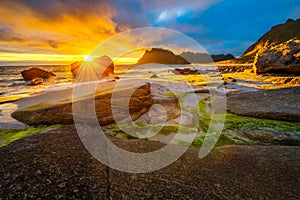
point(205, 58)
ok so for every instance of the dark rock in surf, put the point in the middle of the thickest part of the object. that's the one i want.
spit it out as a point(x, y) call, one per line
point(185, 71)
point(36, 81)
point(154, 76)
point(33, 73)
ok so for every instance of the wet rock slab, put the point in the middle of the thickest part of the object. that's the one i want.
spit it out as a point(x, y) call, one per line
point(62, 112)
point(278, 104)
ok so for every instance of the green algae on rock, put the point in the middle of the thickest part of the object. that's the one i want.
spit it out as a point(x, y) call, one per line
point(10, 135)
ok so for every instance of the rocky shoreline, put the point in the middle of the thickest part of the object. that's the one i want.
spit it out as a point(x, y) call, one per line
point(152, 106)
point(43, 160)
point(278, 104)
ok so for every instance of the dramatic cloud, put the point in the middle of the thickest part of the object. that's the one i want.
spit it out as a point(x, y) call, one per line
point(75, 27)
point(168, 13)
point(220, 26)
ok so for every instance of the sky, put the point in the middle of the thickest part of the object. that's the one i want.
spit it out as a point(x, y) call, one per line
point(49, 31)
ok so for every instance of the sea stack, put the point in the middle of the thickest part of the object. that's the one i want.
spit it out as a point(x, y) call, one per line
point(161, 56)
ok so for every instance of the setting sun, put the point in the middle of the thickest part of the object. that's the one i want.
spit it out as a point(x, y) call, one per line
point(88, 58)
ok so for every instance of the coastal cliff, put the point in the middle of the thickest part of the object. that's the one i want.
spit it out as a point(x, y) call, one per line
point(278, 34)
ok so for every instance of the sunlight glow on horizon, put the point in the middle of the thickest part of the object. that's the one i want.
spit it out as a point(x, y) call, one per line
point(57, 58)
point(88, 58)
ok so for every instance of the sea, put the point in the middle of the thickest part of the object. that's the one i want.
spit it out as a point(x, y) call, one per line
point(13, 84)
point(14, 87)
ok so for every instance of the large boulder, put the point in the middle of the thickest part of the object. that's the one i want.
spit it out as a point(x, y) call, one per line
point(282, 58)
point(61, 113)
point(104, 66)
point(33, 73)
point(278, 104)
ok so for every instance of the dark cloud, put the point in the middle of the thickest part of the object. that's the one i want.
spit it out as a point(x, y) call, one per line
point(137, 13)
point(66, 26)
point(53, 44)
point(120, 27)
point(131, 14)
point(8, 35)
point(58, 9)
point(31, 48)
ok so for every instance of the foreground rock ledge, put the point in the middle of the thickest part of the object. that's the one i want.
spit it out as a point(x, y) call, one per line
point(61, 113)
point(55, 165)
point(278, 104)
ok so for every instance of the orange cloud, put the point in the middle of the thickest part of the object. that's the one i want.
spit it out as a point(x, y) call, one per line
point(64, 30)
point(57, 27)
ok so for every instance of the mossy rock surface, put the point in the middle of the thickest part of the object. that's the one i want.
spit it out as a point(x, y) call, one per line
point(10, 135)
